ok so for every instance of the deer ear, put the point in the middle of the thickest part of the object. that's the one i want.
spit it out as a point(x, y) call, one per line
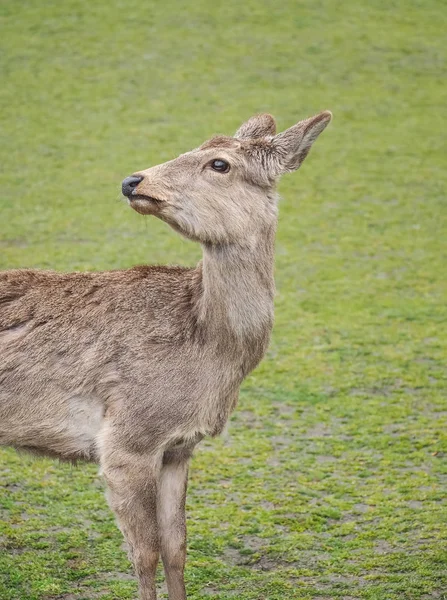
point(293, 145)
point(258, 126)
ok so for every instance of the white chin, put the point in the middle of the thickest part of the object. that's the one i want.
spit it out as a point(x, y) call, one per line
point(143, 206)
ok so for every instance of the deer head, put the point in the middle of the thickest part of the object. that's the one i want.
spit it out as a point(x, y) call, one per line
point(224, 191)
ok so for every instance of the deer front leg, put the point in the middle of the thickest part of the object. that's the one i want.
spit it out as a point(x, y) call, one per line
point(171, 517)
point(132, 494)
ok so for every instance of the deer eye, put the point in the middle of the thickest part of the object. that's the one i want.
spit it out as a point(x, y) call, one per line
point(219, 165)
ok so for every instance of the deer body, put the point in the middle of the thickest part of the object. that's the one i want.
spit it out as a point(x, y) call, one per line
point(131, 369)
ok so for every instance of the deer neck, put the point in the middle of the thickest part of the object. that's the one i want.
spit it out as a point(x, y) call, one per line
point(236, 303)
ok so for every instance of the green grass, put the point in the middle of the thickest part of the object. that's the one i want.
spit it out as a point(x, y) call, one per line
point(331, 482)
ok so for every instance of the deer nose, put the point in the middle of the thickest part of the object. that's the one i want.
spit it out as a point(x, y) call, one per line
point(130, 183)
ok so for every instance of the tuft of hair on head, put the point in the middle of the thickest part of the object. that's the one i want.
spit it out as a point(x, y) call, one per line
point(283, 152)
point(259, 126)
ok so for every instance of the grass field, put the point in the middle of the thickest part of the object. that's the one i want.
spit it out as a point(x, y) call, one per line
point(331, 482)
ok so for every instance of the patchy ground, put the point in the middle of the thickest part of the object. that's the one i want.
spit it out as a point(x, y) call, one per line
point(331, 481)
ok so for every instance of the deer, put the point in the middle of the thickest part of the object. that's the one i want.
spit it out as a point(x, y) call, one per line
point(132, 368)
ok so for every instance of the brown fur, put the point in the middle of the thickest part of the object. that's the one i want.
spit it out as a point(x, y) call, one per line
point(132, 368)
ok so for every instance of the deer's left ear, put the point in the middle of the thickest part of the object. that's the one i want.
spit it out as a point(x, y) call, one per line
point(258, 126)
point(292, 146)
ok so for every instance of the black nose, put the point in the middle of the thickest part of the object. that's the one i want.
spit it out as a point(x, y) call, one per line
point(130, 183)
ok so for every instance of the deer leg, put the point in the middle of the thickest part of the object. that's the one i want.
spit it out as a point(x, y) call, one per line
point(171, 499)
point(132, 494)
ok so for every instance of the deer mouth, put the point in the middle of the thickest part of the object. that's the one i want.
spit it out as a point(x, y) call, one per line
point(145, 205)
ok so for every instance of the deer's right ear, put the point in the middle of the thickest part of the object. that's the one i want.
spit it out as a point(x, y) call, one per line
point(258, 126)
point(293, 145)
